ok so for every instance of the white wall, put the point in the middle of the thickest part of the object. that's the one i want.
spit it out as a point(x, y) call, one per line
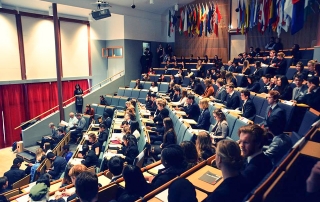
point(39, 48)
point(74, 48)
point(237, 45)
point(9, 49)
point(108, 29)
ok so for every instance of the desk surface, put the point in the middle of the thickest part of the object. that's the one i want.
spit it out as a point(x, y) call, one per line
point(189, 121)
point(154, 170)
point(194, 179)
point(311, 149)
point(199, 194)
point(103, 180)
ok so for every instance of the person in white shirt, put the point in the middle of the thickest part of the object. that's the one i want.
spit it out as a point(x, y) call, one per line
point(154, 87)
point(72, 121)
point(183, 99)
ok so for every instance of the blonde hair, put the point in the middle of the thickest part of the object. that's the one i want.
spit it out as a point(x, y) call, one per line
point(203, 141)
point(161, 102)
point(93, 136)
point(184, 93)
point(127, 130)
point(39, 154)
point(208, 82)
point(245, 66)
point(281, 54)
point(230, 154)
point(77, 169)
point(204, 103)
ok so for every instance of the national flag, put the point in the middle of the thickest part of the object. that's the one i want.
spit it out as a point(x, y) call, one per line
point(181, 21)
point(298, 16)
point(256, 14)
point(251, 17)
point(216, 20)
point(261, 20)
point(209, 17)
point(239, 16)
point(266, 12)
point(174, 22)
point(280, 16)
point(243, 16)
point(170, 23)
point(273, 15)
point(247, 13)
point(185, 21)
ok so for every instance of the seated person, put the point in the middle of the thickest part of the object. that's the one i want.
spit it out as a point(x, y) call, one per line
point(40, 191)
point(284, 88)
point(128, 117)
point(251, 140)
point(182, 190)
point(72, 122)
point(87, 187)
point(300, 90)
point(204, 146)
point(154, 87)
point(204, 118)
point(4, 185)
point(233, 99)
point(146, 77)
point(77, 133)
point(103, 134)
point(67, 154)
point(15, 173)
point(312, 97)
point(94, 143)
point(198, 88)
point(138, 85)
point(135, 129)
point(253, 85)
point(103, 101)
point(190, 153)
point(229, 160)
point(115, 165)
point(130, 149)
point(192, 108)
point(162, 78)
point(209, 91)
point(266, 81)
point(89, 111)
point(270, 45)
point(51, 139)
point(248, 109)
point(313, 184)
point(221, 129)
point(176, 95)
point(106, 118)
point(221, 94)
point(183, 98)
point(40, 156)
point(173, 160)
point(159, 129)
point(135, 184)
point(152, 105)
point(90, 158)
point(58, 165)
point(166, 71)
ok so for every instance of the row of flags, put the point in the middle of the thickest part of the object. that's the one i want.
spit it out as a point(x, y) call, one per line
point(275, 15)
point(196, 20)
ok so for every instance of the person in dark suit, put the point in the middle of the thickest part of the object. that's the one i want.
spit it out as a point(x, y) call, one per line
point(173, 159)
point(266, 81)
point(221, 94)
point(272, 60)
point(138, 85)
point(257, 164)
point(312, 97)
point(234, 186)
point(166, 71)
point(176, 95)
point(162, 78)
point(192, 109)
point(4, 185)
point(89, 156)
point(130, 151)
point(204, 118)
point(233, 99)
point(115, 165)
point(182, 190)
point(248, 109)
point(15, 173)
point(237, 67)
point(300, 90)
point(103, 134)
point(152, 105)
point(284, 88)
point(58, 165)
point(281, 64)
point(231, 67)
point(258, 72)
point(253, 85)
point(275, 118)
point(198, 88)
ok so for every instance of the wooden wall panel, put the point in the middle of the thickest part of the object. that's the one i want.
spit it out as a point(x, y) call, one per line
point(305, 37)
point(212, 45)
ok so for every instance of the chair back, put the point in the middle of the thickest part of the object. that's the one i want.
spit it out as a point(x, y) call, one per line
point(22, 182)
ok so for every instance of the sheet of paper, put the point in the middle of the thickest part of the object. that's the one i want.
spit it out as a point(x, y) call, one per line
point(27, 189)
point(103, 180)
point(163, 196)
point(75, 161)
point(23, 198)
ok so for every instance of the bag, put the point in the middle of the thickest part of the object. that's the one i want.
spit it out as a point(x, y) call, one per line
point(14, 146)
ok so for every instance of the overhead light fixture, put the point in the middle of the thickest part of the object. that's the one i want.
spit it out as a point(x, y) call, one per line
point(176, 7)
point(151, 2)
point(50, 11)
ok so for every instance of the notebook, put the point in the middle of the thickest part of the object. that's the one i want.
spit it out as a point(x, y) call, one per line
point(210, 178)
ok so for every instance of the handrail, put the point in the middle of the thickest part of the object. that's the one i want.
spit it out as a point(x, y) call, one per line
point(53, 108)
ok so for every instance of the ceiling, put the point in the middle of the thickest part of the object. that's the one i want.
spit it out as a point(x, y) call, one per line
point(83, 7)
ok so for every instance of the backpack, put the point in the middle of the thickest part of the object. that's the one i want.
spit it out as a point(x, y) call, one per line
point(14, 146)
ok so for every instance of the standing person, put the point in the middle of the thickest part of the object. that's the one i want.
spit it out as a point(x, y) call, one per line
point(281, 64)
point(169, 50)
point(143, 63)
point(78, 93)
point(149, 57)
point(234, 186)
point(15, 173)
point(160, 54)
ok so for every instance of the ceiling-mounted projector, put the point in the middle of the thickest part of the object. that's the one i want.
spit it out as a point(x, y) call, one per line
point(100, 14)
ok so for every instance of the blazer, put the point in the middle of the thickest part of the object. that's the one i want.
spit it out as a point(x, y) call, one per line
point(313, 99)
point(138, 86)
point(257, 169)
point(276, 122)
point(279, 146)
point(208, 92)
point(175, 98)
point(204, 120)
point(90, 159)
point(165, 175)
point(131, 153)
point(233, 102)
point(231, 68)
point(258, 74)
point(221, 95)
point(254, 87)
point(238, 69)
point(298, 94)
point(103, 136)
point(247, 71)
point(286, 93)
point(281, 67)
point(249, 110)
point(193, 111)
point(58, 165)
point(168, 139)
point(264, 88)
point(14, 175)
point(220, 130)
point(198, 89)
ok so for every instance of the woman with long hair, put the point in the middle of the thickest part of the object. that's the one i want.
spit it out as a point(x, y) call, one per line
point(284, 88)
point(135, 184)
point(135, 129)
point(229, 160)
point(204, 146)
point(300, 71)
point(258, 72)
point(94, 143)
point(281, 64)
point(78, 93)
point(130, 149)
point(221, 129)
point(253, 85)
point(32, 167)
point(154, 87)
point(230, 78)
point(89, 111)
point(190, 153)
point(183, 98)
point(204, 118)
point(246, 68)
point(209, 91)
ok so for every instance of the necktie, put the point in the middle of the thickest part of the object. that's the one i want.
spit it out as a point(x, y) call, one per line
point(269, 112)
point(297, 93)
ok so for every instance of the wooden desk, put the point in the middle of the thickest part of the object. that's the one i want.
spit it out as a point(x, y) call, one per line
point(204, 186)
point(189, 121)
point(117, 126)
point(154, 170)
point(219, 105)
point(120, 114)
point(103, 180)
point(182, 113)
point(311, 149)
point(199, 194)
point(146, 120)
point(197, 131)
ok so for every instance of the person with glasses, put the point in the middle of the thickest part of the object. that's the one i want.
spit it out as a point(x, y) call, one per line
point(300, 90)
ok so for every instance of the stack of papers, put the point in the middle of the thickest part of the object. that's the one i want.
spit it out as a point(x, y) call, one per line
point(75, 161)
point(109, 155)
point(116, 136)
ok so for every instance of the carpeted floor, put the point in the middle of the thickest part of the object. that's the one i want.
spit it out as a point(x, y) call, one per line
point(7, 156)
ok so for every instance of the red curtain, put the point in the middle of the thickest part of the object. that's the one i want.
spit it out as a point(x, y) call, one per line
point(2, 143)
point(69, 87)
point(12, 103)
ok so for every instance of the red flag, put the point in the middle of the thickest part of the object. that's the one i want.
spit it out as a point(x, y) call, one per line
point(218, 13)
point(216, 19)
